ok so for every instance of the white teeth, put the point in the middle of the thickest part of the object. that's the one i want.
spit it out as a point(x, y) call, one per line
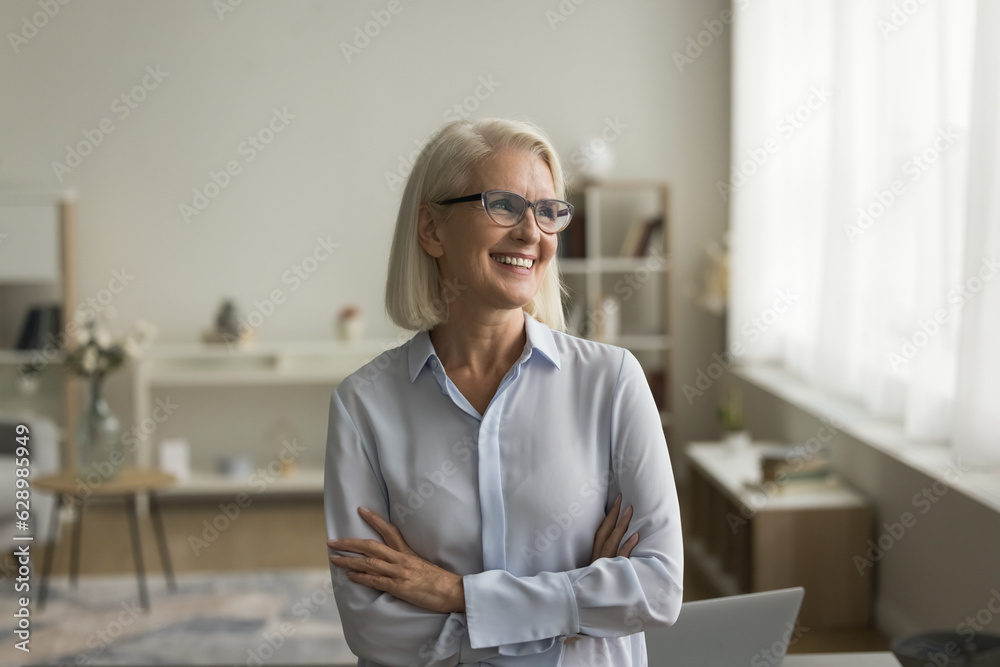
point(515, 261)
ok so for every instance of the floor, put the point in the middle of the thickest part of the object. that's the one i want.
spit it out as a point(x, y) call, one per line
point(281, 533)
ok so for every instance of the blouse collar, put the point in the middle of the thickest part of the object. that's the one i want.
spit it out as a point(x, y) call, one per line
point(539, 337)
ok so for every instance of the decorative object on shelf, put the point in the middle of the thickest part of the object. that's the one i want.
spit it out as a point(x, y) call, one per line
point(175, 458)
point(731, 415)
point(239, 466)
point(228, 328)
point(100, 452)
point(713, 293)
point(350, 323)
point(594, 159)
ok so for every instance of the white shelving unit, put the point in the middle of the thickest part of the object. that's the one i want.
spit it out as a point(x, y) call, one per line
point(640, 285)
point(276, 364)
point(37, 266)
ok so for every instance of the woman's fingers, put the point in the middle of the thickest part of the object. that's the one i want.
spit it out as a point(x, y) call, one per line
point(390, 533)
point(615, 539)
point(605, 529)
point(608, 540)
point(364, 565)
point(630, 543)
point(372, 548)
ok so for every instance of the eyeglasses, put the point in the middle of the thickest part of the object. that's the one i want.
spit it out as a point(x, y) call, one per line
point(508, 209)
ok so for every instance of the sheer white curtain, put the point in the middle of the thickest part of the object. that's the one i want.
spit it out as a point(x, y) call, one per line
point(856, 227)
point(977, 399)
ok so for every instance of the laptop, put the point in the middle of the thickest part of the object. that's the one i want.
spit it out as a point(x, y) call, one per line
point(752, 630)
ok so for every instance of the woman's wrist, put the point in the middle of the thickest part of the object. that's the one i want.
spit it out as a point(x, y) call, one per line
point(459, 596)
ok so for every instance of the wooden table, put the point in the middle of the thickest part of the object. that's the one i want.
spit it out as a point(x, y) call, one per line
point(69, 488)
point(748, 539)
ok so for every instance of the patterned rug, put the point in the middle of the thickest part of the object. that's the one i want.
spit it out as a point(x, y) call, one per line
point(253, 618)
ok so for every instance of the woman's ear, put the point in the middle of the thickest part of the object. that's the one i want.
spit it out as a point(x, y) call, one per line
point(428, 224)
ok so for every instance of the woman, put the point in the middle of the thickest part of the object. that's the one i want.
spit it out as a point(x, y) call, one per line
point(476, 475)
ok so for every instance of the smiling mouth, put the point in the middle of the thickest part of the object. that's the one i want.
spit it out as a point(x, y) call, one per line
point(513, 261)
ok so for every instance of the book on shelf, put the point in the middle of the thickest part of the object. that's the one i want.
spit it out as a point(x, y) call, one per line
point(573, 239)
point(657, 380)
point(794, 464)
point(41, 326)
point(641, 236)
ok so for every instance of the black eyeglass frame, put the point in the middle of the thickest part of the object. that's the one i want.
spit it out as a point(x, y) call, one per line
point(530, 204)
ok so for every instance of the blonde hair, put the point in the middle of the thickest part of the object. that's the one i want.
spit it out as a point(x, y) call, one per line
point(415, 296)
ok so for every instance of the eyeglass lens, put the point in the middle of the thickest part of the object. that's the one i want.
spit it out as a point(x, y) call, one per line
point(507, 208)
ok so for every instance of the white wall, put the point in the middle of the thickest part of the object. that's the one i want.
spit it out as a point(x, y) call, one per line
point(324, 174)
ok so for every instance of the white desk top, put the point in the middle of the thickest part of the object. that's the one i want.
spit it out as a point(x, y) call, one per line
point(732, 471)
point(841, 660)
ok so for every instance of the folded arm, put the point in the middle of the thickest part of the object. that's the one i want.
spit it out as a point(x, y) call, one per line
point(611, 597)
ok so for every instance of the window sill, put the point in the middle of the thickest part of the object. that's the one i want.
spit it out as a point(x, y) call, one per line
point(931, 459)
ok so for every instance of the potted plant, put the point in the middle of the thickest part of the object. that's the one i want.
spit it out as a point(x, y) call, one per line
point(735, 434)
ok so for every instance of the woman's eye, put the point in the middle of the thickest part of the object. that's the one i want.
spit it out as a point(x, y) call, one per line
point(502, 205)
point(547, 212)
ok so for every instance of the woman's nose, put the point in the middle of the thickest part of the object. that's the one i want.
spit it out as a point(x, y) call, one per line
point(528, 228)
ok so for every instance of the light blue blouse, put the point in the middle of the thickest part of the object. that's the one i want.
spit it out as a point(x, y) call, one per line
point(510, 500)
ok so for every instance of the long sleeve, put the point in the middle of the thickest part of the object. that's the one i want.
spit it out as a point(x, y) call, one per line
point(612, 597)
point(378, 626)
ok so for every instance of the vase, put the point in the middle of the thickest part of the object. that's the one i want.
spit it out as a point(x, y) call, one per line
point(100, 453)
point(738, 442)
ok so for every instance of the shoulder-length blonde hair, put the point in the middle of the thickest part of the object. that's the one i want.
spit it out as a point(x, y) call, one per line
point(415, 296)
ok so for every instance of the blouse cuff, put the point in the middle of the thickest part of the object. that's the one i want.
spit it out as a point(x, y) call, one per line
point(502, 608)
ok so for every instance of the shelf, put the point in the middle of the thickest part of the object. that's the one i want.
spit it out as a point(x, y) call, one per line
point(303, 480)
point(616, 215)
point(18, 357)
point(710, 567)
point(583, 266)
point(247, 377)
point(275, 363)
point(642, 342)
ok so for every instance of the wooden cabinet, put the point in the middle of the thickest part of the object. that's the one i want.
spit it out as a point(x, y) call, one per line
point(747, 537)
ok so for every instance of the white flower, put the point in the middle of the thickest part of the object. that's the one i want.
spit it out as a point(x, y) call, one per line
point(89, 359)
point(103, 338)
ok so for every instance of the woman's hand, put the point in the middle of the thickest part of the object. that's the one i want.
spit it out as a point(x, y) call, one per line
point(609, 536)
point(396, 569)
point(610, 533)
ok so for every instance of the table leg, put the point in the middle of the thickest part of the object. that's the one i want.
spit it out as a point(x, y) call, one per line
point(49, 551)
point(161, 540)
point(74, 554)
point(137, 551)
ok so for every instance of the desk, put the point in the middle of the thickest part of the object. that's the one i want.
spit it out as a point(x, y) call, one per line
point(746, 540)
point(128, 484)
point(841, 660)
